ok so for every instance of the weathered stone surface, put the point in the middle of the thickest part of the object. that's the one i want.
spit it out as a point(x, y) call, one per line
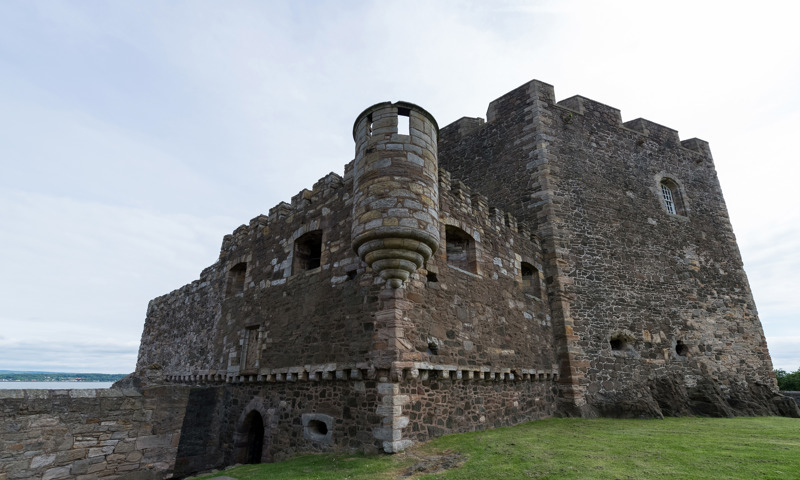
point(560, 262)
point(73, 439)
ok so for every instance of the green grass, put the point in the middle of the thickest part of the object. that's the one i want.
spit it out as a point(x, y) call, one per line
point(696, 448)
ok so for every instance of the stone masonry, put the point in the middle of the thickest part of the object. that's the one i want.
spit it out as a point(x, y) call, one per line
point(550, 260)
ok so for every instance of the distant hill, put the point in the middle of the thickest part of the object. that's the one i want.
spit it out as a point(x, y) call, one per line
point(17, 376)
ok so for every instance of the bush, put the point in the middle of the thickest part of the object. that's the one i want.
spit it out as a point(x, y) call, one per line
point(788, 381)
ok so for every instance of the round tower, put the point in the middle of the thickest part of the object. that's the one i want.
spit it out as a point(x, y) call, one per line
point(395, 189)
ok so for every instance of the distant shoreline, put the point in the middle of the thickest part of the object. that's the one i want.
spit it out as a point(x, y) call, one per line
point(55, 386)
point(60, 377)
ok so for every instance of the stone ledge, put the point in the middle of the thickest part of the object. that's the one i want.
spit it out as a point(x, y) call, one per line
point(356, 372)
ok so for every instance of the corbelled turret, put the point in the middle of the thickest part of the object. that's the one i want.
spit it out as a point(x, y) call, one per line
point(396, 198)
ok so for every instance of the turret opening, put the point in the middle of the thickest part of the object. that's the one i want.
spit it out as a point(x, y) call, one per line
point(403, 121)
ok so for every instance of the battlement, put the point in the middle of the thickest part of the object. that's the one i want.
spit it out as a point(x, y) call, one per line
point(597, 113)
point(474, 205)
point(653, 130)
point(325, 188)
point(461, 127)
point(550, 260)
point(540, 96)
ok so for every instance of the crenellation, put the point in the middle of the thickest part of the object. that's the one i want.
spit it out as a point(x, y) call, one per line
point(497, 216)
point(510, 221)
point(594, 112)
point(699, 146)
point(561, 263)
point(258, 222)
point(302, 200)
point(460, 190)
point(279, 212)
point(461, 127)
point(574, 104)
point(654, 131)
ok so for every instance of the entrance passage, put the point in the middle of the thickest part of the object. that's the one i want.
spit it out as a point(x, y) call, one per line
point(254, 426)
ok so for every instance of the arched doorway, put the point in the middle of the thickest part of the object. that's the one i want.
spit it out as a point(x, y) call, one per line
point(249, 439)
point(255, 436)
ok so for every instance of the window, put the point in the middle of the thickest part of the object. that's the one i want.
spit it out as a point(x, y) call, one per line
point(530, 279)
point(460, 248)
point(235, 280)
point(403, 121)
point(672, 197)
point(307, 252)
point(250, 348)
point(669, 200)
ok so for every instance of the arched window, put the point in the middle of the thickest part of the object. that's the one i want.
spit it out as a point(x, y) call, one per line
point(460, 248)
point(671, 197)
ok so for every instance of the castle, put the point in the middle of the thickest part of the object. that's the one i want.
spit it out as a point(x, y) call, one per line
point(550, 260)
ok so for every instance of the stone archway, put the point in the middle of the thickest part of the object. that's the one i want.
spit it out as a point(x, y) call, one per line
point(254, 427)
point(251, 438)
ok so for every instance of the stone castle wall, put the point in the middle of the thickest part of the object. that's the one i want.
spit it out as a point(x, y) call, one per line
point(90, 434)
point(540, 272)
point(652, 310)
point(476, 309)
point(668, 288)
point(475, 318)
point(262, 306)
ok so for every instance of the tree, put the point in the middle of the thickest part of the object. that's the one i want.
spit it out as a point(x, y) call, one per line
point(788, 381)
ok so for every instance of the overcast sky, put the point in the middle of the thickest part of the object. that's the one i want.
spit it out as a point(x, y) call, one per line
point(135, 135)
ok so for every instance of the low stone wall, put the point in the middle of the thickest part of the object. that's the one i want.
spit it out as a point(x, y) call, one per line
point(90, 434)
point(794, 396)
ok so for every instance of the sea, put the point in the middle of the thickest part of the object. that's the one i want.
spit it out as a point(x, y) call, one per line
point(52, 385)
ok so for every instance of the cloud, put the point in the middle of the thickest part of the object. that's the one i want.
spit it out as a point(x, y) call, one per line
point(80, 356)
point(82, 270)
point(784, 352)
point(135, 135)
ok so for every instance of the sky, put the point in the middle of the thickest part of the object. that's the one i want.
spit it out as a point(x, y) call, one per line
point(135, 135)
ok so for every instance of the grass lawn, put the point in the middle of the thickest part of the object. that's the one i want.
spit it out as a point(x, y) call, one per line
point(691, 448)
